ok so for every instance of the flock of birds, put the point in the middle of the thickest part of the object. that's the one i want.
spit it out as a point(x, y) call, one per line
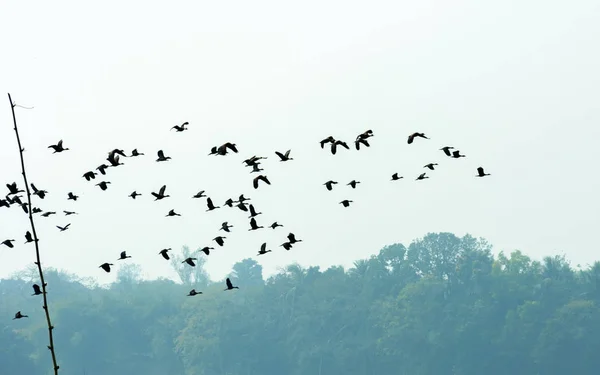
point(13, 198)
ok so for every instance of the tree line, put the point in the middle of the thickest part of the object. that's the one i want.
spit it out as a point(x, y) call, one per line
point(442, 305)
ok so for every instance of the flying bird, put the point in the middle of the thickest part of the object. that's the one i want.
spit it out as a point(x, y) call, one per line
point(284, 157)
point(481, 173)
point(172, 213)
point(46, 214)
point(62, 229)
point(210, 205)
point(422, 176)
point(253, 225)
point(39, 193)
point(353, 183)
point(69, 213)
point(8, 243)
point(103, 185)
point(161, 193)
point(456, 154)
point(18, 315)
point(13, 190)
point(134, 194)
point(29, 237)
point(292, 238)
point(329, 139)
point(89, 175)
point(102, 169)
point(200, 194)
point(412, 137)
point(190, 261)
point(447, 149)
point(36, 290)
point(226, 227)
point(193, 293)
point(260, 178)
point(275, 225)
point(58, 147)
point(219, 240)
point(263, 249)
point(180, 128)
point(430, 166)
point(230, 285)
point(206, 250)
point(135, 152)
point(72, 196)
point(345, 203)
point(164, 254)
point(329, 184)
point(124, 255)
point(253, 212)
point(161, 156)
point(106, 266)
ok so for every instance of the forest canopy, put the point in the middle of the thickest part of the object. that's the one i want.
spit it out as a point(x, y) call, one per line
point(442, 305)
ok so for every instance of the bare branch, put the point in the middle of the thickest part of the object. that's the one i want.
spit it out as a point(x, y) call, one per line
point(36, 242)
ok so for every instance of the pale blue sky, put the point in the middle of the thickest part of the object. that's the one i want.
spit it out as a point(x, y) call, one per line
point(513, 84)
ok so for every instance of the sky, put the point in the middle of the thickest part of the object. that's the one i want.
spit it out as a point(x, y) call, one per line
point(513, 84)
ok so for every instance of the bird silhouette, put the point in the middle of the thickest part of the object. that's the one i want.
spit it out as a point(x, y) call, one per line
point(206, 250)
point(134, 194)
point(200, 194)
point(481, 173)
point(172, 213)
point(72, 196)
point(284, 157)
point(190, 261)
point(329, 184)
point(29, 237)
point(447, 149)
point(161, 193)
point(260, 178)
point(210, 205)
point(164, 254)
point(275, 225)
point(456, 154)
point(292, 238)
point(18, 315)
point(422, 176)
point(62, 229)
point(58, 147)
point(123, 255)
point(253, 225)
point(39, 193)
point(161, 156)
point(430, 166)
point(193, 293)
point(230, 285)
point(13, 190)
point(345, 202)
point(106, 266)
point(180, 128)
point(353, 184)
point(219, 240)
point(412, 137)
point(226, 227)
point(253, 212)
point(103, 185)
point(263, 249)
point(89, 175)
point(8, 243)
point(36, 290)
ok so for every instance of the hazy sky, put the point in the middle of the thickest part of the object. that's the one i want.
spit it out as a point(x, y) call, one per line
point(513, 84)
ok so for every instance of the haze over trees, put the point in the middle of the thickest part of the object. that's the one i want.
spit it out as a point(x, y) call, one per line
point(441, 305)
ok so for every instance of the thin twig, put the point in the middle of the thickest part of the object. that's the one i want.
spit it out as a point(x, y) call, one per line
point(36, 242)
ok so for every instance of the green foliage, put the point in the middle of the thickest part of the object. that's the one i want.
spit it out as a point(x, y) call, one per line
point(442, 305)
